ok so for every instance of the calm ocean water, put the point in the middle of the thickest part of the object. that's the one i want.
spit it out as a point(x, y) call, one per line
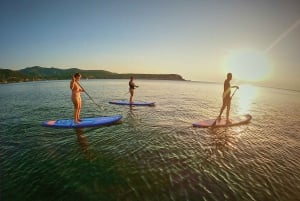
point(155, 153)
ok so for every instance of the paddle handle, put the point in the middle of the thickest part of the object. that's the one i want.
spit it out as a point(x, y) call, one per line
point(233, 93)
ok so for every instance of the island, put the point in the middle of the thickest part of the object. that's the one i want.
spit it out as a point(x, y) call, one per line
point(38, 73)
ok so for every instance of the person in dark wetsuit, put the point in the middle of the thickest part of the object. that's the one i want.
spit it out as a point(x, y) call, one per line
point(132, 86)
point(227, 97)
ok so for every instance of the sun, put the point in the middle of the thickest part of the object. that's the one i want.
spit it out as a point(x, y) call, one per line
point(248, 65)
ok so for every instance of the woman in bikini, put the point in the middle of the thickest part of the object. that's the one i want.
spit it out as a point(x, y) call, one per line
point(227, 97)
point(75, 97)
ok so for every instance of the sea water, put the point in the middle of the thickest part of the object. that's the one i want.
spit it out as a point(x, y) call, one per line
point(154, 153)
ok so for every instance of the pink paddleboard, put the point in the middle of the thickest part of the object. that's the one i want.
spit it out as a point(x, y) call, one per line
point(238, 120)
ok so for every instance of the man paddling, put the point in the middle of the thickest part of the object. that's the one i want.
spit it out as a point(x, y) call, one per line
point(226, 99)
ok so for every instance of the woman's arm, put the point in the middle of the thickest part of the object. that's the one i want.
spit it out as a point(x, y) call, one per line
point(72, 83)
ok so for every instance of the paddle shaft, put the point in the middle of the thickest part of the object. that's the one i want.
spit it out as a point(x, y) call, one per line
point(90, 96)
point(222, 106)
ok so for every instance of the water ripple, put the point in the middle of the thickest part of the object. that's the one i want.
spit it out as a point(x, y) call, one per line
point(154, 153)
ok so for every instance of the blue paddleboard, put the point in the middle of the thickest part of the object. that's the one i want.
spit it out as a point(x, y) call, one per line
point(234, 121)
point(85, 122)
point(136, 103)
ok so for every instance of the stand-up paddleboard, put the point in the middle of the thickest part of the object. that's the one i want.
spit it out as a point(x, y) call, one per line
point(238, 120)
point(136, 103)
point(85, 122)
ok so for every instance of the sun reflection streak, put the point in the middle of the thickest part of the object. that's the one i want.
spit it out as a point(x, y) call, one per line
point(247, 94)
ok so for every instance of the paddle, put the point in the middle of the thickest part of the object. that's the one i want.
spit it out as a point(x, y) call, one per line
point(90, 97)
point(214, 124)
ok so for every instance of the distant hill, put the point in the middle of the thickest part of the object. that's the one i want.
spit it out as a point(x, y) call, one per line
point(42, 73)
point(7, 75)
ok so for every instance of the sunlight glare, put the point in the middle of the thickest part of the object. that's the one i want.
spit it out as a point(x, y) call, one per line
point(246, 96)
point(248, 65)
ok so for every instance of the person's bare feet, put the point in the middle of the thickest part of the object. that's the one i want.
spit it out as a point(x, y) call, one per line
point(228, 121)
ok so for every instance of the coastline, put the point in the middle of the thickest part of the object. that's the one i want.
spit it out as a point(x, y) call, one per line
point(38, 73)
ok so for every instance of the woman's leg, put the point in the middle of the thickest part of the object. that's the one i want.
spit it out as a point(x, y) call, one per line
point(131, 95)
point(228, 110)
point(79, 108)
point(222, 108)
point(76, 109)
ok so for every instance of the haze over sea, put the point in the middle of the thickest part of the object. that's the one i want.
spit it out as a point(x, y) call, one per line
point(154, 153)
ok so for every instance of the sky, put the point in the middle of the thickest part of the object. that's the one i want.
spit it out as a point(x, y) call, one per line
point(257, 40)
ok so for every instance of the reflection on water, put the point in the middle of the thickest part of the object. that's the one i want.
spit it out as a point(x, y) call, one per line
point(83, 144)
point(133, 118)
point(223, 140)
point(246, 97)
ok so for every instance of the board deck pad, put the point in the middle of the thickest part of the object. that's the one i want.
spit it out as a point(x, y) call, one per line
point(238, 120)
point(85, 122)
point(136, 103)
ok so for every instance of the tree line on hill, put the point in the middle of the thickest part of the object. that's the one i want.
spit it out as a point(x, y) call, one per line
point(36, 73)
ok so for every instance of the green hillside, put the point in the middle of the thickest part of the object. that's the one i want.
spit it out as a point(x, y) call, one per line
point(41, 73)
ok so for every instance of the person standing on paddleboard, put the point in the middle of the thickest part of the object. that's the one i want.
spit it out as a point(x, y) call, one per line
point(227, 97)
point(76, 97)
point(132, 86)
